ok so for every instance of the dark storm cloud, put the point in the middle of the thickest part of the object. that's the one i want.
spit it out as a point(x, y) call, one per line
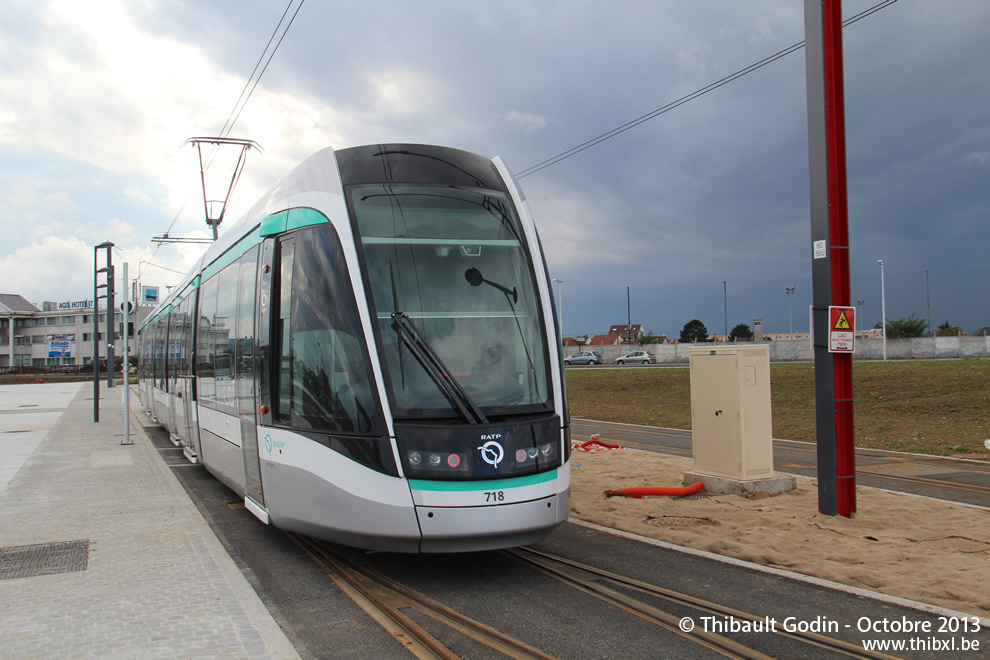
point(713, 192)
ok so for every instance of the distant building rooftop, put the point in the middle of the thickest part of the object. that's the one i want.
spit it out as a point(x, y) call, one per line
point(14, 303)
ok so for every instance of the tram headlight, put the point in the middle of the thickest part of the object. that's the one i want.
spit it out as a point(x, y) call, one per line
point(423, 464)
point(543, 453)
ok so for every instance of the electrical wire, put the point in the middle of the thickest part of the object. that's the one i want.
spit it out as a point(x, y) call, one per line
point(689, 97)
point(242, 100)
point(247, 83)
point(258, 79)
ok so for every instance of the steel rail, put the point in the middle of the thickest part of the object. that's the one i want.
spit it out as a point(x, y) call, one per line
point(551, 563)
point(408, 633)
point(382, 598)
point(942, 483)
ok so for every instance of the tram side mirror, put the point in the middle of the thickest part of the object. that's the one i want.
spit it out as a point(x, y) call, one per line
point(475, 278)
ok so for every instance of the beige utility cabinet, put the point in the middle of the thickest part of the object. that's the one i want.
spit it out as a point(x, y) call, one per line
point(730, 411)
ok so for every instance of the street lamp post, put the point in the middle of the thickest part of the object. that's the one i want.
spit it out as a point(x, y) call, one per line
point(560, 308)
point(789, 290)
point(883, 308)
point(108, 246)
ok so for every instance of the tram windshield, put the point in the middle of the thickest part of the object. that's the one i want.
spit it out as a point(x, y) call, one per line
point(450, 275)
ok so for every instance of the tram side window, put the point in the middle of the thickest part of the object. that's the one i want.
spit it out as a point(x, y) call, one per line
point(189, 307)
point(324, 369)
point(206, 342)
point(244, 347)
point(224, 328)
point(175, 352)
point(181, 325)
point(285, 305)
point(161, 336)
point(147, 339)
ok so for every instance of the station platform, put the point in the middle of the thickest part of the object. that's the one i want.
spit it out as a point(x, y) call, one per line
point(102, 553)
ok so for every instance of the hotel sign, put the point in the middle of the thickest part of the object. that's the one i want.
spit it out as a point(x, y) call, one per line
point(76, 304)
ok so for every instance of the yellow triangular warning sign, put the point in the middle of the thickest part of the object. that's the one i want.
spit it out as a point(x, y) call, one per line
point(842, 323)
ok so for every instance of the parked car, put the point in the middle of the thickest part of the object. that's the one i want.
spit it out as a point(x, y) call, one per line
point(584, 357)
point(637, 356)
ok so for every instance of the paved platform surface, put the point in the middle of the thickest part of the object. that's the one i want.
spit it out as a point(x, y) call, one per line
point(102, 553)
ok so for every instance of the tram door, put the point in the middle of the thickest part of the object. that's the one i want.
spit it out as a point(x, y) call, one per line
point(173, 361)
point(187, 428)
point(177, 367)
point(248, 373)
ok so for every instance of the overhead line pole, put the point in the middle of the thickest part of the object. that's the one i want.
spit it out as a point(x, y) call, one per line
point(830, 249)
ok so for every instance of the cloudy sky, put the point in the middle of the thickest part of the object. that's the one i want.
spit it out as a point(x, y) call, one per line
point(700, 213)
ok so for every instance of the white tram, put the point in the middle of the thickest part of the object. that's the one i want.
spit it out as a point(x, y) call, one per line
point(370, 356)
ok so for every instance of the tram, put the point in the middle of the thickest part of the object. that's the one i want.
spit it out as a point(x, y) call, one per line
point(371, 356)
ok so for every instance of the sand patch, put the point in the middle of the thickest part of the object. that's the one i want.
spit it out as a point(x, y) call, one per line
point(916, 548)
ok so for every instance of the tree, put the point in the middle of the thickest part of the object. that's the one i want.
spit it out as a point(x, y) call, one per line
point(647, 338)
point(946, 330)
point(694, 330)
point(905, 328)
point(740, 331)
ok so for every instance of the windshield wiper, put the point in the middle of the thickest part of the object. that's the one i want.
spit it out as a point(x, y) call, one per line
point(435, 367)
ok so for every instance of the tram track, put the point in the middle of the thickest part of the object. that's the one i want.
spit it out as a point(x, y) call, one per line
point(928, 481)
point(589, 579)
point(390, 604)
point(384, 600)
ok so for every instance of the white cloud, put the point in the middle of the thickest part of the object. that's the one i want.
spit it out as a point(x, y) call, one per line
point(577, 226)
point(527, 121)
point(121, 231)
point(67, 269)
point(138, 195)
point(403, 92)
point(60, 198)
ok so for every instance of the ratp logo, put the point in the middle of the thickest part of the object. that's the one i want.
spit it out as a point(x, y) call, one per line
point(271, 445)
point(492, 452)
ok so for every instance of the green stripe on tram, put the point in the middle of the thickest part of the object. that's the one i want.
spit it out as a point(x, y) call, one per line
point(490, 484)
point(283, 221)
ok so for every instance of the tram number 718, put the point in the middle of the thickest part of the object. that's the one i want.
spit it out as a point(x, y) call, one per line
point(494, 496)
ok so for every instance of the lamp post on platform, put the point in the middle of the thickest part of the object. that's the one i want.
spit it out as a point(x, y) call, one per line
point(789, 290)
point(883, 308)
point(108, 246)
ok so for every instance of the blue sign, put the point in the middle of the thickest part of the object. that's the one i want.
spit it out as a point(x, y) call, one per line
point(59, 347)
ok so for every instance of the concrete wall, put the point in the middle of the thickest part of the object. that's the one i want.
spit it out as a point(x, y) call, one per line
point(790, 351)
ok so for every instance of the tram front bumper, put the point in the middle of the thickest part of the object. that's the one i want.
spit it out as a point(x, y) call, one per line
point(475, 528)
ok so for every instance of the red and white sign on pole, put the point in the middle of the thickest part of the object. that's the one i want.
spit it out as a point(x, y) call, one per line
point(841, 329)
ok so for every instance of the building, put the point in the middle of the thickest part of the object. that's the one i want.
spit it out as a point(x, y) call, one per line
point(605, 340)
point(628, 332)
point(59, 334)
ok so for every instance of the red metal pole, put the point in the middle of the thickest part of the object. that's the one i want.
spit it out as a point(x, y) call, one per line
point(845, 446)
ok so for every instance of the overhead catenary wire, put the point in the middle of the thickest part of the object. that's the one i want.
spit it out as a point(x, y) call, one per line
point(231, 119)
point(246, 93)
point(258, 79)
point(685, 99)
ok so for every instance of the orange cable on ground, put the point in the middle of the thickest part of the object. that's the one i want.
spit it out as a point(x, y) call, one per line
point(656, 491)
point(596, 440)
